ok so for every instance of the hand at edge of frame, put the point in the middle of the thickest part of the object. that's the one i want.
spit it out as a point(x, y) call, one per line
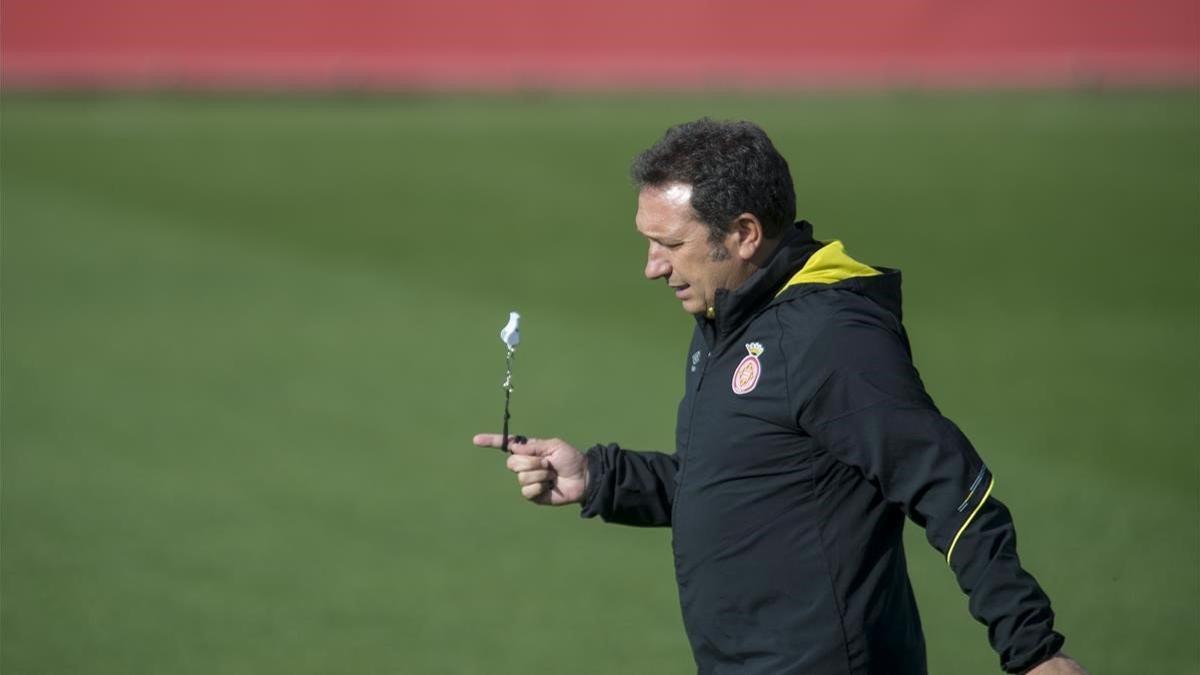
point(1059, 664)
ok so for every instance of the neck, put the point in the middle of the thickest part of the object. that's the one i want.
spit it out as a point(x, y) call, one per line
point(756, 262)
point(763, 255)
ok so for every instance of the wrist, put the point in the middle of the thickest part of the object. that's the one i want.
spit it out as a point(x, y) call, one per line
point(584, 473)
point(592, 472)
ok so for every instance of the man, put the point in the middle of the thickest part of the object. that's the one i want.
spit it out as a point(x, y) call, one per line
point(804, 439)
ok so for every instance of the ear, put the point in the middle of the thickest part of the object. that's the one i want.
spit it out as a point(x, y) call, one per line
point(747, 236)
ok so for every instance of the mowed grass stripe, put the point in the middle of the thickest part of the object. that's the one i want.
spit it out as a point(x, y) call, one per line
point(245, 343)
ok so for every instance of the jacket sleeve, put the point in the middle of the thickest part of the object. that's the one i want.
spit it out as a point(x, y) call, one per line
point(861, 399)
point(628, 487)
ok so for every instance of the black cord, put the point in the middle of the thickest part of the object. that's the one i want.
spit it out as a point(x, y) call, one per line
point(504, 438)
point(508, 359)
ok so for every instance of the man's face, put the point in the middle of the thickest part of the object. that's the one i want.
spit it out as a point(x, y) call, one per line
point(680, 250)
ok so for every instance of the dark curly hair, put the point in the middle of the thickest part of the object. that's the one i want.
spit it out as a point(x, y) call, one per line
point(733, 168)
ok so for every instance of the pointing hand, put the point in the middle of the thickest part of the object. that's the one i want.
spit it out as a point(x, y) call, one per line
point(549, 471)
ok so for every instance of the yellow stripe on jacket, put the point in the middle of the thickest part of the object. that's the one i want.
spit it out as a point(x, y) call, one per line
point(829, 265)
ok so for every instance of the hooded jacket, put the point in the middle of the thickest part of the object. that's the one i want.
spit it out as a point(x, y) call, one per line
point(804, 439)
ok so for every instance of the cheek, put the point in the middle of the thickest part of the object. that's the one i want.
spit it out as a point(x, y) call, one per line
point(693, 264)
point(680, 267)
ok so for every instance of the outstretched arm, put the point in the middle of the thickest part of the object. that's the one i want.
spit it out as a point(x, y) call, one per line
point(868, 408)
point(629, 487)
point(620, 486)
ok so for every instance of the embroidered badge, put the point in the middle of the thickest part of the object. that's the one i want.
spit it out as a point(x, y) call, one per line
point(745, 377)
point(695, 360)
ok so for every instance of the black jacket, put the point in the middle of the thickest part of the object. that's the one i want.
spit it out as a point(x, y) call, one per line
point(804, 438)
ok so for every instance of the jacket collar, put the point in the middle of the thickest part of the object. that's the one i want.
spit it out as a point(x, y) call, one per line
point(733, 308)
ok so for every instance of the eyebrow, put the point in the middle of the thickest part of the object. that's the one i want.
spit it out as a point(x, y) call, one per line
point(660, 239)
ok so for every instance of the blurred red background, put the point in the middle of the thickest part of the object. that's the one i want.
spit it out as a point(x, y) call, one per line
point(617, 43)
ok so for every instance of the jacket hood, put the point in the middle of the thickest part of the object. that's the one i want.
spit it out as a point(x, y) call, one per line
point(832, 266)
point(801, 264)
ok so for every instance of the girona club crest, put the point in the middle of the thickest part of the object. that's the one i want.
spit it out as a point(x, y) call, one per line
point(745, 377)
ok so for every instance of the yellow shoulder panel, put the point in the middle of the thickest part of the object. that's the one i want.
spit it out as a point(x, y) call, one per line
point(829, 265)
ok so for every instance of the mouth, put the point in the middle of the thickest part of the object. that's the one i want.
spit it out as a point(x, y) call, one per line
point(680, 291)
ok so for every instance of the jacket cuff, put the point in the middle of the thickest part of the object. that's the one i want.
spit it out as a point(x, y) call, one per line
point(597, 467)
point(1048, 647)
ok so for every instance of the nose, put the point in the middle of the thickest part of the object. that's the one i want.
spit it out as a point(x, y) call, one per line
point(657, 266)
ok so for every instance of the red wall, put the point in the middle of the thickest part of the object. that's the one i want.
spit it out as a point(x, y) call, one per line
point(623, 43)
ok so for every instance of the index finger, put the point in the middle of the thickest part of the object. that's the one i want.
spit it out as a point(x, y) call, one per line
point(489, 440)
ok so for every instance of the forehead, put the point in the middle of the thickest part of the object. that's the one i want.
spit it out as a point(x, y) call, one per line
point(666, 210)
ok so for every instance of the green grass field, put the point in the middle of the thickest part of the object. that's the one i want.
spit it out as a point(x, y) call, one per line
point(246, 342)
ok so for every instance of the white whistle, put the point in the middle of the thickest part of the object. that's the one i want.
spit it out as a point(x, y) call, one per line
point(511, 333)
